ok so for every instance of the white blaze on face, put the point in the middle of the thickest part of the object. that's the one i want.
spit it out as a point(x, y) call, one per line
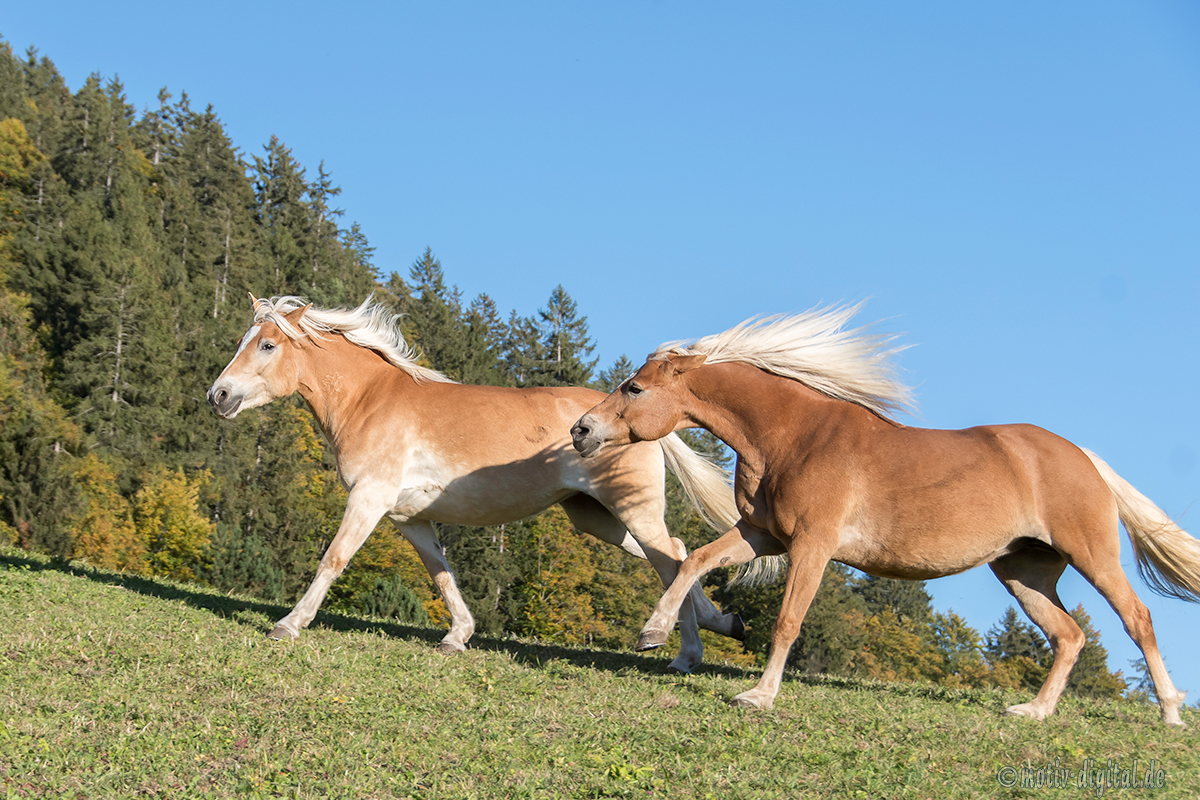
point(249, 337)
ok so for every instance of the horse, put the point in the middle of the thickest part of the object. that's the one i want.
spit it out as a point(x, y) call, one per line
point(419, 448)
point(825, 472)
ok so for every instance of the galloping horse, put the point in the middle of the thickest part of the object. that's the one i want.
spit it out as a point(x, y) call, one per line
point(823, 473)
point(417, 447)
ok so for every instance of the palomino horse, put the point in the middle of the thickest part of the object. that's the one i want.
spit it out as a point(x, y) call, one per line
point(824, 474)
point(417, 447)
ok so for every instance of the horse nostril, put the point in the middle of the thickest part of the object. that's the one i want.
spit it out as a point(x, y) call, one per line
point(579, 431)
point(218, 397)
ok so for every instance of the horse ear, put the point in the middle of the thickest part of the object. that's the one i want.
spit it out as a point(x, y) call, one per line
point(683, 363)
point(295, 315)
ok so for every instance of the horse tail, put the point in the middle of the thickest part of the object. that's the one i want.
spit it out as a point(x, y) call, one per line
point(704, 482)
point(1168, 558)
point(710, 490)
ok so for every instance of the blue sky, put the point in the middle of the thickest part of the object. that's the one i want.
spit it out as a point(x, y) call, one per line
point(1015, 187)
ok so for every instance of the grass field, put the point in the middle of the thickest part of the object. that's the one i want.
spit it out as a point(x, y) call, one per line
point(114, 686)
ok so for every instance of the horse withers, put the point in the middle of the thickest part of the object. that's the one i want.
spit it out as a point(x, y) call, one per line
point(824, 473)
point(418, 448)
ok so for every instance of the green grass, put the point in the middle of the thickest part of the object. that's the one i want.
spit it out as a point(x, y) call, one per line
point(114, 686)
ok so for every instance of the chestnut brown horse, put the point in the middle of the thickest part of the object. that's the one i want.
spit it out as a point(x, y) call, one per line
point(418, 448)
point(824, 473)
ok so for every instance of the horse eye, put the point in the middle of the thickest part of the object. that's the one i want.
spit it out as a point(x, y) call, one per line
point(266, 346)
point(634, 389)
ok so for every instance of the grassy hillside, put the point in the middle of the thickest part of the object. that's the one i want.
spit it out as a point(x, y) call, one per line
point(113, 686)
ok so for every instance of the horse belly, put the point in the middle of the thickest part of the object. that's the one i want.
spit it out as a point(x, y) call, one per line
point(933, 546)
point(487, 499)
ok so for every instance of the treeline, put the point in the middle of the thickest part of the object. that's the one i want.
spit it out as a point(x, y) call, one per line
point(128, 241)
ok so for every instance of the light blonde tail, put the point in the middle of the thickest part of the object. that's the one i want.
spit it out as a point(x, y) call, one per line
point(1168, 558)
point(704, 482)
point(710, 489)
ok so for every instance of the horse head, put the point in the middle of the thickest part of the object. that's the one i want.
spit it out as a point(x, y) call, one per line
point(647, 406)
point(264, 367)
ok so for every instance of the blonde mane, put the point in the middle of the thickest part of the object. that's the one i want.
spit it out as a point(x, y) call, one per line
point(813, 348)
point(370, 326)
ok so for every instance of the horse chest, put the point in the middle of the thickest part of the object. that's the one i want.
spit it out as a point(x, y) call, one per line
point(751, 496)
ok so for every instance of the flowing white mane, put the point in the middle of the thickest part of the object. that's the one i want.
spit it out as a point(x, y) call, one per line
point(370, 326)
point(813, 348)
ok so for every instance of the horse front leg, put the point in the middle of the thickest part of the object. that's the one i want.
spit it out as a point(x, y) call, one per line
point(806, 565)
point(640, 531)
point(424, 540)
point(736, 546)
point(364, 509)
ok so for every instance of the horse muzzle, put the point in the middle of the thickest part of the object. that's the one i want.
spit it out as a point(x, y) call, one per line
point(584, 437)
point(224, 402)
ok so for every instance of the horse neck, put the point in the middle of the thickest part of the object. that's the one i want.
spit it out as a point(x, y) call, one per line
point(335, 376)
point(752, 410)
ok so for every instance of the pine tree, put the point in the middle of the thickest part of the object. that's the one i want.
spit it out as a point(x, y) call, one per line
point(280, 189)
point(553, 602)
point(961, 649)
point(14, 95)
point(566, 342)
point(484, 343)
point(1141, 686)
point(1018, 648)
point(485, 571)
point(609, 379)
point(905, 599)
point(833, 635)
point(434, 311)
point(38, 491)
point(524, 356)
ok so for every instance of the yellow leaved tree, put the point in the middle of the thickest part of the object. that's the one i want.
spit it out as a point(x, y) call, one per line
point(169, 523)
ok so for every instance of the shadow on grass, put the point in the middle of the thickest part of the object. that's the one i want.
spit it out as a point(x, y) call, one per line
point(234, 609)
point(529, 653)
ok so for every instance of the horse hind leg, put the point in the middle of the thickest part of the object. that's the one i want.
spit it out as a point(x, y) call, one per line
point(1109, 579)
point(1031, 575)
point(591, 516)
point(424, 540)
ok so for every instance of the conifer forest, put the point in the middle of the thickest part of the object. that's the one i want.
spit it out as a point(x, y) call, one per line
point(128, 242)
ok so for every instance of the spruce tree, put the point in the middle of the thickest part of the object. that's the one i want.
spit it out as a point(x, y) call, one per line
point(524, 356)
point(280, 188)
point(961, 649)
point(609, 379)
point(906, 599)
point(1018, 647)
point(484, 343)
point(434, 311)
point(566, 342)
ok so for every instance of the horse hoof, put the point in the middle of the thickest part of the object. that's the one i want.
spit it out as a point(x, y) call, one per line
point(737, 628)
point(676, 668)
point(1025, 710)
point(282, 634)
point(650, 640)
point(748, 700)
point(448, 649)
